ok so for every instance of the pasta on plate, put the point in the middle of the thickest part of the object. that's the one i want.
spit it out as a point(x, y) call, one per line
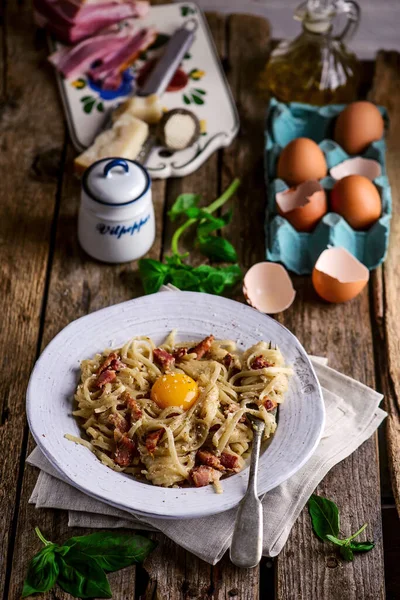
point(175, 415)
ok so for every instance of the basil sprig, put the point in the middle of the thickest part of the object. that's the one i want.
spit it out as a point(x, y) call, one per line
point(325, 521)
point(79, 566)
point(205, 278)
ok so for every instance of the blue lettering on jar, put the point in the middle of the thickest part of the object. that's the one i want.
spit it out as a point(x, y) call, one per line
point(119, 230)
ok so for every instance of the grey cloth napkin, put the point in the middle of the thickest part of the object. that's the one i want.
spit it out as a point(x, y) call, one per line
point(348, 424)
point(352, 415)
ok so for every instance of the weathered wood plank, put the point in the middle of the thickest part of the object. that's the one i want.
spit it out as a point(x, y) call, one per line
point(29, 162)
point(386, 91)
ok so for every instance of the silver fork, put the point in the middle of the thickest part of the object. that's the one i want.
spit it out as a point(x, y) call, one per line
point(247, 540)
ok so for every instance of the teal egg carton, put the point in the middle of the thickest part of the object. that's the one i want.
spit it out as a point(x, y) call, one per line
point(300, 251)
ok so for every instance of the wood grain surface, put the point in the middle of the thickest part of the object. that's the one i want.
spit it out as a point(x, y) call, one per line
point(48, 281)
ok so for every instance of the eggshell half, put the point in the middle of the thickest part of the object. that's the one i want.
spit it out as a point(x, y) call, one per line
point(268, 288)
point(303, 206)
point(338, 276)
point(367, 167)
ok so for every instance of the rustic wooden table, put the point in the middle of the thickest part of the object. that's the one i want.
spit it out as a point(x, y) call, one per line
point(47, 281)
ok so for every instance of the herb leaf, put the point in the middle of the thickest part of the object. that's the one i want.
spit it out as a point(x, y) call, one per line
point(362, 546)
point(346, 552)
point(214, 224)
point(42, 572)
point(153, 274)
point(324, 516)
point(113, 551)
point(217, 249)
point(81, 576)
point(182, 203)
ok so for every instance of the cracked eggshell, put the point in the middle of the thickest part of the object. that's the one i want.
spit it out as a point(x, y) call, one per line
point(367, 167)
point(338, 276)
point(268, 288)
point(303, 206)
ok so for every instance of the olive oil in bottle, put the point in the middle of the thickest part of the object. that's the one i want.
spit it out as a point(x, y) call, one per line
point(316, 67)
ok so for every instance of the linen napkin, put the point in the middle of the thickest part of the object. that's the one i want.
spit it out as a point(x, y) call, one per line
point(352, 415)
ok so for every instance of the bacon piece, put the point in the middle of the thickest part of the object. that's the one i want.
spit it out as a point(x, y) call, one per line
point(229, 461)
point(120, 423)
point(204, 475)
point(152, 440)
point(209, 459)
point(179, 353)
point(105, 377)
point(269, 404)
point(125, 449)
point(163, 358)
point(106, 364)
point(203, 347)
point(132, 405)
point(260, 363)
point(228, 360)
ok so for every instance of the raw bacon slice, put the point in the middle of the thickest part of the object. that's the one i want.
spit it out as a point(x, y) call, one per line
point(70, 21)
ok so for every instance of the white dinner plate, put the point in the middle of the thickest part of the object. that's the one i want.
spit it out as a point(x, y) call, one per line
point(56, 374)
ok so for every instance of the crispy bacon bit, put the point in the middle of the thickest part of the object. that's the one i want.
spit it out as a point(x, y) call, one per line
point(228, 360)
point(152, 440)
point(204, 475)
point(125, 449)
point(269, 404)
point(106, 364)
point(260, 363)
point(105, 377)
point(209, 459)
point(179, 353)
point(163, 358)
point(120, 423)
point(229, 461)
point(203, 347)
point(132, 405)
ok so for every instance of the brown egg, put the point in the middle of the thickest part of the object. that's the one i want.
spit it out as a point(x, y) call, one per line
point(358, 126)
point(338, 276)
point(357, 199)
point(301, 160)
point(303, 206)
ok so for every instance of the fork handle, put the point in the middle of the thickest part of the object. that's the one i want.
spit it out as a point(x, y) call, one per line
point(247, 540)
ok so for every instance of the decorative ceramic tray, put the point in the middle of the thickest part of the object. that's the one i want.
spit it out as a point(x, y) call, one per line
point(204, 90)
point(299, 251)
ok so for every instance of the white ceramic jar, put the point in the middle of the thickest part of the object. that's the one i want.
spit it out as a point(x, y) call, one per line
point(116, 217)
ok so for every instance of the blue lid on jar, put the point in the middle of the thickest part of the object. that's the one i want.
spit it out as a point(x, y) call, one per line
point(116, 181)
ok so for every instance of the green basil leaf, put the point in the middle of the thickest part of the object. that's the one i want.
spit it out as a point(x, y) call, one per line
point(324, 516)
point(346, 552)
point(113, 551)
point(335, 540)
point(362, 546)
point(81, 576)
point(153, 274)
point(217, 249)
point(213, 224)
point(215, 280)
point(182, 203)
point(184, 279)
point(42, 572)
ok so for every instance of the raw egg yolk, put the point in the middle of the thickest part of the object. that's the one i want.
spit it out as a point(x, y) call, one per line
point(175, 389)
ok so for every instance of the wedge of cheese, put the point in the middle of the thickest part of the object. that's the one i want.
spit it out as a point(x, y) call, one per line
point(147, 108)
point(124, 140)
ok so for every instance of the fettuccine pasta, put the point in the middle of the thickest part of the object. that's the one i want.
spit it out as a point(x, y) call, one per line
point(176, 414)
